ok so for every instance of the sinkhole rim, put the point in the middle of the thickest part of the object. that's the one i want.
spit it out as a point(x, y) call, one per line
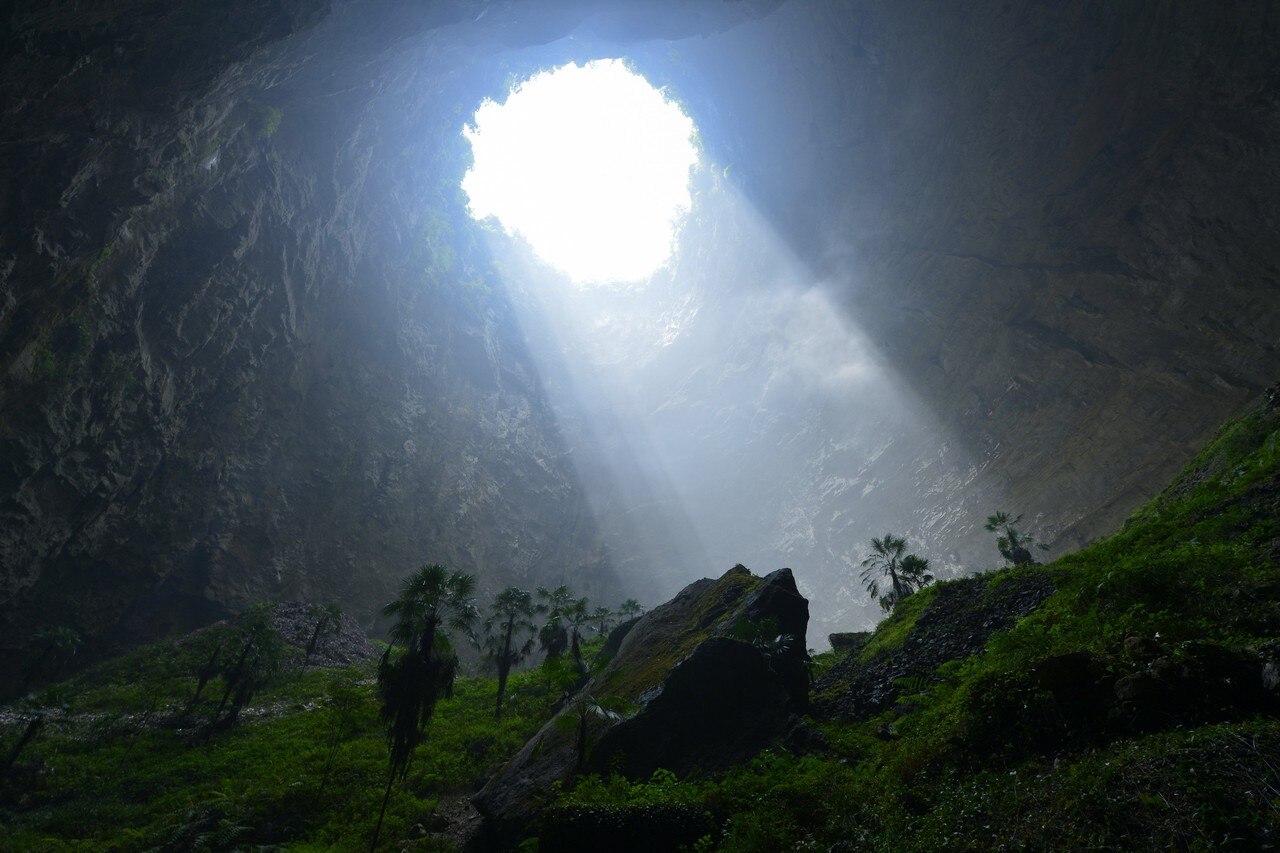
point(589, 164)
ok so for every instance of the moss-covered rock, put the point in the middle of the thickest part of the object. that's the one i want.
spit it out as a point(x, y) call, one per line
point(705, 699)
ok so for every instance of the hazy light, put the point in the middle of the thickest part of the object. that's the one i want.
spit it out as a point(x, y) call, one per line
point(590, 165)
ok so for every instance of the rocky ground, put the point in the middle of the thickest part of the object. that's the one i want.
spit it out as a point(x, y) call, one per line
point(957, 623)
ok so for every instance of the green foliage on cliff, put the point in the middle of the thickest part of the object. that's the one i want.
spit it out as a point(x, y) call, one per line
point(714, 608)
point(988, 752)
point(985, 755)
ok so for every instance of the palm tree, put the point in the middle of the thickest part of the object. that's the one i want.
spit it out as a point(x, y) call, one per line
point(905, 572)
point(422, 673)
point(602, 618)
point(511, 617)
point(553, 637)
point(328, 621)
point(576, 616)
point(630, 609)
point(1014, 545)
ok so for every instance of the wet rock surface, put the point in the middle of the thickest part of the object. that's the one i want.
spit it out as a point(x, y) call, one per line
point(955, 625)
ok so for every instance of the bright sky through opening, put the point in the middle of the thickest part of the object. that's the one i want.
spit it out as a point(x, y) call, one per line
point(590, 164)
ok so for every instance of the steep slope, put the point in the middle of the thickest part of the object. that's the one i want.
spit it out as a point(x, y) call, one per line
point(1127, 699)
point(695, 697)
point(1135, 706)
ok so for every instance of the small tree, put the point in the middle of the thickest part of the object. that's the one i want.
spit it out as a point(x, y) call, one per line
point(343, 699)
point(1014, 545)
point(328, 621)
point(583, 713)
point(629, 609)
point(412, 680)
point(553, 636)
point(260, 658)
point(905, 573)
point(506, 644)
point(602, 618)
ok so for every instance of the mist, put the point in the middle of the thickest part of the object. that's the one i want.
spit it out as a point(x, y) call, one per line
point(727, 410)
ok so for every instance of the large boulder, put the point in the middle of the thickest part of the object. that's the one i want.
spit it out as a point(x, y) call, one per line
point(708, 681)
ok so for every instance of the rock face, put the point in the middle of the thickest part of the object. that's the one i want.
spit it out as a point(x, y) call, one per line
point(344, 644)
point(706, 700)
point(956, 624)
point(251, 345)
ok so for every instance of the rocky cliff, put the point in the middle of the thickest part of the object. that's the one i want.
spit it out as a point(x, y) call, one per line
point(251, 345)
point(698, 696)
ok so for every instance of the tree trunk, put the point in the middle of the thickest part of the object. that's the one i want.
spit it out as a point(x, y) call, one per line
point(897, 587)
point(233, 676)
point(577, 658)
point(28, 735)
point(315, 638)
point(504, 667)
point(386, 795)
point(582, 739)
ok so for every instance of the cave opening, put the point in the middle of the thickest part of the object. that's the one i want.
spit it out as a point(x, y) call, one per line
point(590, 165)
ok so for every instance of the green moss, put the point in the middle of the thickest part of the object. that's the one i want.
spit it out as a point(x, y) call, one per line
point(712, 612)
point(893, 632)
point(952, 770)
point(62, 349)
point(111, 784)
point(946, 772)
point(94, 270)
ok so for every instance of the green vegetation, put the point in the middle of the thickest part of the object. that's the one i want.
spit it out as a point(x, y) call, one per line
point(110, 769)
point(987, 756)
point(1007, 749)
point(1014, 545)
point(905, 573)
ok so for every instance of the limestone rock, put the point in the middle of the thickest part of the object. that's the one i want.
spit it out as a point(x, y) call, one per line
point(705, 700)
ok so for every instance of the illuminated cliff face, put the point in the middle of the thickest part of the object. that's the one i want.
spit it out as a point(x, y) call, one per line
point(937, 263)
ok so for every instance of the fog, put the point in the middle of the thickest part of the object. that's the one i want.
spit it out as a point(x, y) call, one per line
point(726, 411)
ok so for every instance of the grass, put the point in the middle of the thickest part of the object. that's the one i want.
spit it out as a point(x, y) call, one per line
point(965, 765)
point(105, 782)
point(960, 768)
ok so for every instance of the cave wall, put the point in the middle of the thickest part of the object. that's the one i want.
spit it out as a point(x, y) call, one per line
point(1054, 219)
point(251, 354)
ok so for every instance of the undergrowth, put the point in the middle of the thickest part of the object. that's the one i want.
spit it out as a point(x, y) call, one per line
point(103, 778)
point(963, 765)
point(955, 770)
